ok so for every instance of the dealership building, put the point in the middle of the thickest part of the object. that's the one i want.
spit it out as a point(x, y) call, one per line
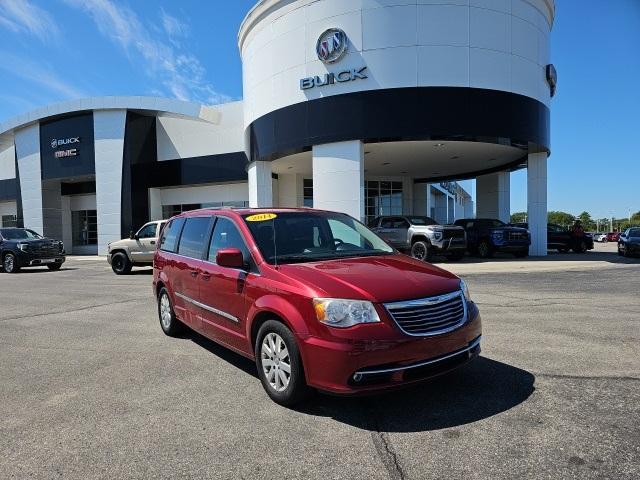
point(367, 107)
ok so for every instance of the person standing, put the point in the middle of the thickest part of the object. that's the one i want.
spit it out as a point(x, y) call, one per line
point(577, 235)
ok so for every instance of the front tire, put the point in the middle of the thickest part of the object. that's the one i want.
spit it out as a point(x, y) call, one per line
point(169, 323)
point(485, 250)
point(581, 248)
point(279, 364)
point(10, 263)
point(54, 266)
point(420, 250)
point(120, 264)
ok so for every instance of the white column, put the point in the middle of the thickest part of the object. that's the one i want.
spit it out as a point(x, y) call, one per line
point(290, 190)
point(493, 193)
point(407, 196)
point(108, 131)
point(420, 199)
point(537, 203)
point(155, 204)
point(260, 184)
point(67, 231)
point(338, 177)
point(29, 168)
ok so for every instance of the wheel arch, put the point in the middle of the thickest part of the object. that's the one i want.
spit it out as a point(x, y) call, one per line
point(272, 307)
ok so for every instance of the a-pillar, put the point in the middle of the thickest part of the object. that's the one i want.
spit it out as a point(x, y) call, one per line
point(260, 184)
point(493, 196)
point(537, 203)
point(108, 131)
point(338, 177)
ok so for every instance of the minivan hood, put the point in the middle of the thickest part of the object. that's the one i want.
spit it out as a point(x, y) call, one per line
point(378, 279)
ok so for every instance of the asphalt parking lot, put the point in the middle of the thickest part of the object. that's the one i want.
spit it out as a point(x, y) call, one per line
point(91, 388)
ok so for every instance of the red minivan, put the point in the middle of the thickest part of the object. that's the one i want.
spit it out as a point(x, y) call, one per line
point(317, 299)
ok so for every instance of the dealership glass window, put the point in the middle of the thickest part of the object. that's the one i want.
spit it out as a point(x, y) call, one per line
point(84, 227)
point(170, 235)
point(169, 211)
point(9, 221)
point(307, 192)
point(382, 198)
point(193, 238)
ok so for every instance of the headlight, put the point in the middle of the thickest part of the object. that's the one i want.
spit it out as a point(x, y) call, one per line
point(61, 246)
point(465, 290)
point(344, 313)
point(23, 246)
point(436, 235)
point(497, 235)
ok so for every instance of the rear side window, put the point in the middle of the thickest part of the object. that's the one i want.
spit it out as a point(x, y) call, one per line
point(170, 234)
point(194, 237)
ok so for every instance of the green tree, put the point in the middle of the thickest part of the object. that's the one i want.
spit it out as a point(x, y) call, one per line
point(635, 218)
point(560, 218)
point(587, 221)
point(518, 217)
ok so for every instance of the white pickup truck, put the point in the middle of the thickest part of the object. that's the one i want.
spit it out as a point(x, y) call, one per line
point(135, 251)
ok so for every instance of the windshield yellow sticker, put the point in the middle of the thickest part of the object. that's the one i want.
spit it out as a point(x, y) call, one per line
point(261, 217)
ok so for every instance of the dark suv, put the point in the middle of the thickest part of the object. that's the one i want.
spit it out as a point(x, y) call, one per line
point(561, 239)
point(485, 236)
point(21, 247)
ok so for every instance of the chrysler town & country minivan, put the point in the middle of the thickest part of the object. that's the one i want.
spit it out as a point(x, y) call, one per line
point(316, 299)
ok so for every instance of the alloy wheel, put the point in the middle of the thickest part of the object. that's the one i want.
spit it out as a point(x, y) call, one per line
point(275, 360)
point(419, 252)
point(165, 311)
point(9, 263)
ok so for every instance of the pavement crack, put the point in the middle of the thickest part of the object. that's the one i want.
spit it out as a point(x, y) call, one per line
point(80, 309)
point(384, 447)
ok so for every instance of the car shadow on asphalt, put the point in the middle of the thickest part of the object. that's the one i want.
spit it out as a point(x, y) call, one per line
point(481, 389)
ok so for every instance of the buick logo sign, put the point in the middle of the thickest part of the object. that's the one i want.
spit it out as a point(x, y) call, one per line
point(59, 142)
point(332, 45)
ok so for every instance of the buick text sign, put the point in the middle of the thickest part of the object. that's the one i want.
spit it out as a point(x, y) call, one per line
point(344, 76)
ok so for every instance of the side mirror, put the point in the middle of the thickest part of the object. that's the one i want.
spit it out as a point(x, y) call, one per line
point(230, 258)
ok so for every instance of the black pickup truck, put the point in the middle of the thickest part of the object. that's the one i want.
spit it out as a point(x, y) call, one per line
point(485, 236)
point(21, 247)
point(560, 238)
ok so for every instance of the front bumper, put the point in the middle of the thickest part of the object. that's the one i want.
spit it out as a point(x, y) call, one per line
point(450, 245)
point(28, 259)
point(361, 366)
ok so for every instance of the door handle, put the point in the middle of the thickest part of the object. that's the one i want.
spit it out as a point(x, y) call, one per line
point(153, 242)
point(206, 276)
point(194, 273)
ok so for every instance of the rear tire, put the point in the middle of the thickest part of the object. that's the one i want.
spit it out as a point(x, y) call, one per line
point(120, 264)
point(54, 267)
point(581, 248)
point(485, 250)
point(420, 250)
point(10, 263)
point(279, 364)
point(169, 323)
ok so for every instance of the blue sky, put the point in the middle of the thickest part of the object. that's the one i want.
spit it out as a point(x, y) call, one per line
point(61, 49)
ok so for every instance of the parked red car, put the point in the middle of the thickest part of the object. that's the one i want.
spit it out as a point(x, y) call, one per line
point(613, 236)
point(314, 297)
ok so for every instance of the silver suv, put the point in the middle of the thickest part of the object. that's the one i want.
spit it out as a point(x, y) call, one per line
point(423, 237)
point(135, 251)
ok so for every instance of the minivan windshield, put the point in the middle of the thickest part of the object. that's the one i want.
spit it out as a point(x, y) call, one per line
point(312, 236)
point(18, 234)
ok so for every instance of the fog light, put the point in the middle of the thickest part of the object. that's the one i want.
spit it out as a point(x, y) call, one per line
point(357, 377)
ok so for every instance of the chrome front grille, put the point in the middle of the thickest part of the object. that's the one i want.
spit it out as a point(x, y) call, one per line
point(47, 251)
point(430, 316)
point(517, 236)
